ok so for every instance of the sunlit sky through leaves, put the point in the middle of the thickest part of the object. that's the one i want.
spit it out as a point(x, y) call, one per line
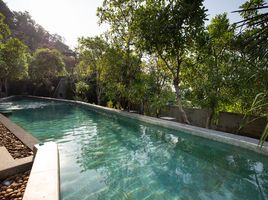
point(75, 18)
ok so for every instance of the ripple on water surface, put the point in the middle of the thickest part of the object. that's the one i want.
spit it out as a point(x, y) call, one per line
point(107, 157)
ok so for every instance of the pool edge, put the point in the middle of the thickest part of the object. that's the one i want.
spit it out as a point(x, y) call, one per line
point(219, 136)
point(26, 138)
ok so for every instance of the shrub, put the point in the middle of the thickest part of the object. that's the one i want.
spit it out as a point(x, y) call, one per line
point(81, 90)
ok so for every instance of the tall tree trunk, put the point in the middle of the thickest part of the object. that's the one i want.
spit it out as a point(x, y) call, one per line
point(210, 117)
point(177, 90)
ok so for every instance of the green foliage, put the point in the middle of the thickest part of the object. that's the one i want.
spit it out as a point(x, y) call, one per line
point(13, 57)
point(157, 81)
point(4, 29)
point(256, 45)
point(152, 48)
point(34, 35)
point(264, 135)
point(81, 90)
point(70, 64)
point(158, 102)
point(176, 23)
point(13, 54)
point(120, 16)
point(167, 29)
point(250, 13)
point(110, 104)
point(259, 107)
point(251, 45)
point(210, 69)
point(46, 64)
point(92, 53)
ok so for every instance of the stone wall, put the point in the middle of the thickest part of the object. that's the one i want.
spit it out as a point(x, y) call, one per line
point(228, 122)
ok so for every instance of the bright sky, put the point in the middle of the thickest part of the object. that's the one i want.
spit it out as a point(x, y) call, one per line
point(75, 18)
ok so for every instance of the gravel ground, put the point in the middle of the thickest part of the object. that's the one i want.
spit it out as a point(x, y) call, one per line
point(14, 146)
point(13, 187)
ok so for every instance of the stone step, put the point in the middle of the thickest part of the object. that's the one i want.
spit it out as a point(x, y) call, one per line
point(10, 166)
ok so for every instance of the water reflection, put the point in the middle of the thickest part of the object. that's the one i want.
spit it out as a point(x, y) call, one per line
point(155, 164)
point(105, 157)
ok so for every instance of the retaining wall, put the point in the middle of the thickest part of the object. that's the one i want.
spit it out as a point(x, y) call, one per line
point(227, 122)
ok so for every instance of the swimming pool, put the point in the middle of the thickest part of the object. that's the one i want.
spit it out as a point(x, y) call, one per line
point(105, 156)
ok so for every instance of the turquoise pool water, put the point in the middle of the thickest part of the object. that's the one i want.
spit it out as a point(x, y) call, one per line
point(104, 156)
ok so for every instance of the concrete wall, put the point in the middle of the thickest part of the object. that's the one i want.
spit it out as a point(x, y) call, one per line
point(197, 117)
point(230, 122)
point(227, 122)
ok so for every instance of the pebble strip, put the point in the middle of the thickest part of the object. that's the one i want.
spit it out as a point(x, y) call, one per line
point(14, 146)
point(13, 187)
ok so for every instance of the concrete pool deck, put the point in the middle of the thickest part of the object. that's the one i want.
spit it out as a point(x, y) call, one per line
point(223, 137)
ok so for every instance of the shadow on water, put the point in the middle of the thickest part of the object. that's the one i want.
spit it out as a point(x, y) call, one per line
point(105, 156)
point(146, 160)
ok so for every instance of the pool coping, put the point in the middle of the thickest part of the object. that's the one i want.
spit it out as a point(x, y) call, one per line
point(11, 166)
point(25, 137)
point(44, 180)
point(219, 136)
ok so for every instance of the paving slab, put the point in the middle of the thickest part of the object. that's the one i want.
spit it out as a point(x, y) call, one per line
point(44, 181)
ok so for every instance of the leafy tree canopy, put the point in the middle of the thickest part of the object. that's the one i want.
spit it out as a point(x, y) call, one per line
point(46, 64)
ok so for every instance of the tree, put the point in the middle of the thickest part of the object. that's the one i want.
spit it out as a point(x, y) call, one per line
point(157, 81)
point(4, 29)
point(13, 57)
point(167, 28)
point(253, 39)
point(120, 16)
point(81, 90)
point(34, 35)
point(115, 89)
point(252, 45)
point(253, 27)
point(212, 70)
point(91, 54)
point(46, 65)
